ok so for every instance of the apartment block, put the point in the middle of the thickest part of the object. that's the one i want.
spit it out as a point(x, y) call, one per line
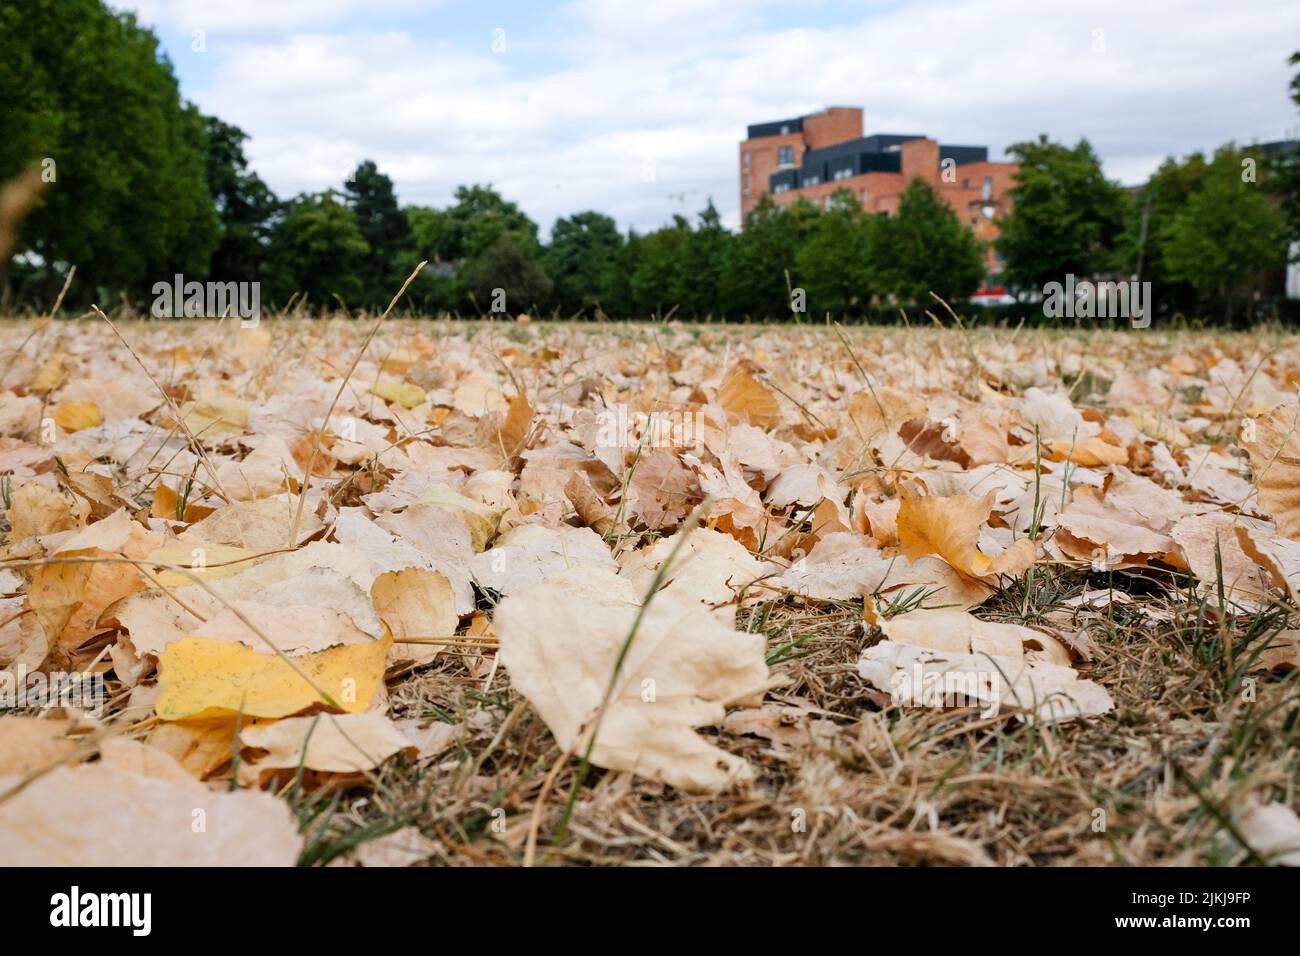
point(812, 156)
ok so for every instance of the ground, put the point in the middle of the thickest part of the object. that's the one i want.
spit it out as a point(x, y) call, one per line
point(1122, 494)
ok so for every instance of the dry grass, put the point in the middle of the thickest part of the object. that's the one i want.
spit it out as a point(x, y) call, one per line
point(873, 784)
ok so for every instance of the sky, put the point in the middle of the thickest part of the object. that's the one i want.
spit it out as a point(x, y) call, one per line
point(635, 109)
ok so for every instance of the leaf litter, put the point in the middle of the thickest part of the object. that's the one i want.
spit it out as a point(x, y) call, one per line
point(647, 594)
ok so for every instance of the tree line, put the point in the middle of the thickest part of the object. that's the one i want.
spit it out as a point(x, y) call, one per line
point(139, 185)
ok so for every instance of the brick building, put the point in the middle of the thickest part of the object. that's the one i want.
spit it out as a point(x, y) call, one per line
point(812, 156)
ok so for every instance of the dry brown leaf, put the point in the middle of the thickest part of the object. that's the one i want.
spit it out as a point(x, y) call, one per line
point(949, 526)
point(747, 398)
point(709, 566)
point(883, 409)
point(37, 509)
point(415, 602)
point(1273, 441)
point(561, 640)
point(1273, 831)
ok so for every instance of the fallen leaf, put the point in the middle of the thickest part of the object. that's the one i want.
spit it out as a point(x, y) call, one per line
point(1273, 442)
point(204, 678)
point(415, 602)
point(561, 641)
point(347, 743)
point(136, 820)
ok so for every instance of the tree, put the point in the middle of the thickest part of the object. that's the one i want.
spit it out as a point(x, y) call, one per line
point(436, 288)
point(834, 261)
point(1284, 169)
point(1154, 206)
point(479, 217)
point(89, 96)
point(319, 251)
point(701, 279)
point(583, 261)
point(385, 228)
point(658, 283)
point(756, 264)
point(1226, 234)
point(505, 276)
point(246, 207)
point(925, 249)
point(1066, 216)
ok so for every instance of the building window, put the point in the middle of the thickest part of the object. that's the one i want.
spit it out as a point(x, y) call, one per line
point(843, 173)
point(811, 181)
point(864, 197)
point(785, 156)
point(965, 184)
point(744, 159)
point(988, 187)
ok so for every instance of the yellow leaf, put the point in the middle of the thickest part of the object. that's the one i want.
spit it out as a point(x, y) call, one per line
point(51, 374)
point(207, 561)
point(1087, 452)
point(74, 416)
point(213, 419)
point(400, 393)
point(203, 678)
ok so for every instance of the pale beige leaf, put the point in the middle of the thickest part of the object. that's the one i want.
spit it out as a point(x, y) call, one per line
point(560, 644)
point(136, 820)
point(330, 743)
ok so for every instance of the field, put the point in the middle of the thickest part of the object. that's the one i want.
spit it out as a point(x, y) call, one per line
point(356, 592)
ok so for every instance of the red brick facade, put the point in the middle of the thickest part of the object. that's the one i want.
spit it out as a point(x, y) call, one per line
point(977, 190)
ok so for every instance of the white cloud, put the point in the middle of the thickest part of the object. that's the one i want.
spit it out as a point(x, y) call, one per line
point(674, 83)
point(255, 16)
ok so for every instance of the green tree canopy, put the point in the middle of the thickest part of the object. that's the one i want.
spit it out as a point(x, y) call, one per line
point(926, 249)
point(583, 260)
point(89, 95)
point(245, 205)
point(757, 263)
point(1154, 206)
point(383, 225)
point(319, 251)
point(1226, 234)
point(835, 261)
point(1066, 216)
point(658, 282)
point(507, 267)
